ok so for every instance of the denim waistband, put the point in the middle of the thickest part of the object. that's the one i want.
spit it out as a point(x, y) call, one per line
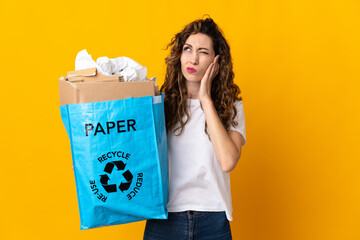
point(190, 225)
point(193, 214)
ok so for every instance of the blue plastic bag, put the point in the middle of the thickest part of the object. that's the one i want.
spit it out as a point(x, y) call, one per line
point(119, 155)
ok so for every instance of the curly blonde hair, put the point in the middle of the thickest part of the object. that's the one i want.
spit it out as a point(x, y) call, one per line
point(223, 90)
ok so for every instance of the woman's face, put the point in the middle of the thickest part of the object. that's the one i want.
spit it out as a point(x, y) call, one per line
point(197, 54)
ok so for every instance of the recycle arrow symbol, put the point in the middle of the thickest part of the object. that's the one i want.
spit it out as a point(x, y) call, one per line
point(120, 165)
point(108, 188)
point(104, 179)
point(110, 166)
point(126, 185)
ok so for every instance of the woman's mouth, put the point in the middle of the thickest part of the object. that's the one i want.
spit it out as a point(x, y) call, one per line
point(191, 70)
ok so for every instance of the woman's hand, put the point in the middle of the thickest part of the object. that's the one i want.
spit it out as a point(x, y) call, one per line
point(205, 85)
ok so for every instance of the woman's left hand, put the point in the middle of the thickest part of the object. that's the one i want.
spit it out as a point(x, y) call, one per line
point(205, 86)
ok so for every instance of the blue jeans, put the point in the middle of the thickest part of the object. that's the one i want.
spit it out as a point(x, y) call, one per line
point(189, 225)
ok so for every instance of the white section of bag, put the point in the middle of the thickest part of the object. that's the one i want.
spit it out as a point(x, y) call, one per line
point(157, 99)
point(128, 68)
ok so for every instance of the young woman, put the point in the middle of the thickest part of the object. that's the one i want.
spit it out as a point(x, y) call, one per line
point(206, 131)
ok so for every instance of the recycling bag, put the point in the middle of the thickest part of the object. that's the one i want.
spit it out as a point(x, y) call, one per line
point(119, 156)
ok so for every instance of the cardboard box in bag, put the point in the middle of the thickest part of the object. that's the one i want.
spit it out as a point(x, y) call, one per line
point(88, 85)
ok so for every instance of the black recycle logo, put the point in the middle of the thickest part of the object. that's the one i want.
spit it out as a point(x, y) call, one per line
point(104, 179)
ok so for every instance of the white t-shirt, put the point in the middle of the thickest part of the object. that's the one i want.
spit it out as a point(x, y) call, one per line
point(197, 181)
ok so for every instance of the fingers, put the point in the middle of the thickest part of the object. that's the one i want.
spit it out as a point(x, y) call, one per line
point(216, 59)
point(214, 67)
point(210, 73)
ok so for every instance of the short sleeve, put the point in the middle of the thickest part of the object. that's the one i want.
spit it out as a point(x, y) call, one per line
point(240, 119)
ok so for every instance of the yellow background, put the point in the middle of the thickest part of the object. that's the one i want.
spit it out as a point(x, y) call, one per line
point(296, 62)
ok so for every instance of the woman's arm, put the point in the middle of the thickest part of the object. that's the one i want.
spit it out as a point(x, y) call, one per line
point(227, 145)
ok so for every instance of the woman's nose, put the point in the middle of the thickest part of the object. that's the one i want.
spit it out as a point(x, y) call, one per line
point(194, 59)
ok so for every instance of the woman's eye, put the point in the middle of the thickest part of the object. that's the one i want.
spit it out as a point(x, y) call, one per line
point(186, 48)
point(205, 53)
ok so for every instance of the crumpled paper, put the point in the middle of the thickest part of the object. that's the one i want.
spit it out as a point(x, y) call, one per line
point(128, 68)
